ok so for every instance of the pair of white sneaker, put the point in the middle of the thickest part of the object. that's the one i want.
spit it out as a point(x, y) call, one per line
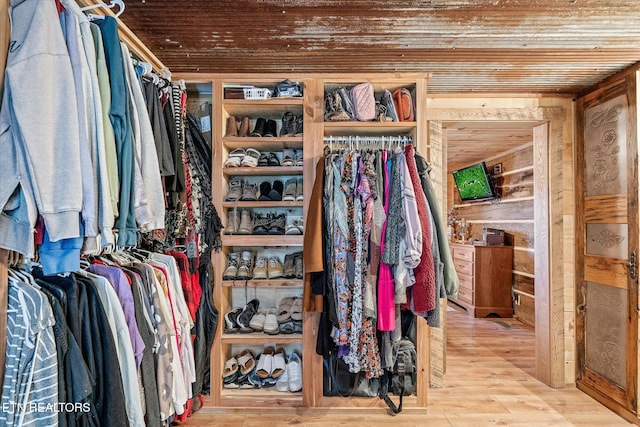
point(291, 379)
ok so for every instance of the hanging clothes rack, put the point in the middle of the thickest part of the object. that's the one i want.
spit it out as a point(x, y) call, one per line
point(356, 141)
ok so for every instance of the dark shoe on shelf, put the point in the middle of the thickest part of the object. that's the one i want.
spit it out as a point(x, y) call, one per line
point(276, 191)
point(271, 128)
point(298, 126)
point(261, 224)
point(231, 321)
point(288, 121)
point(258, 130)
point(247, 313)
point(265, 189)
point(289, 270)
point(273, 160)
point(263, 160)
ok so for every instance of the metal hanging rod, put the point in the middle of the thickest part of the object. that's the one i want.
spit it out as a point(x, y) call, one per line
point(354, 141)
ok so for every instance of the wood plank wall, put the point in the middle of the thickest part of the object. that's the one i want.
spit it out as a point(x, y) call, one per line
point(511, 212)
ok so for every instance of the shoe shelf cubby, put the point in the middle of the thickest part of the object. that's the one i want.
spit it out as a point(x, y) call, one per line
point(262, 204)
point(263, 171)
point(262, 143)
point(258, 240)
point(262, 282)
point(259, 338)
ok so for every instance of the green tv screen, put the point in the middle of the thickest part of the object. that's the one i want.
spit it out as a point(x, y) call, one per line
point(473, 182)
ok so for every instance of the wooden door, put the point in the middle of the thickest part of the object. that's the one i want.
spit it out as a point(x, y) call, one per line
point(607, 246)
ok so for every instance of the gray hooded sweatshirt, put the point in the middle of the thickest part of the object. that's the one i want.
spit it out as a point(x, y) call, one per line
point(39, 141)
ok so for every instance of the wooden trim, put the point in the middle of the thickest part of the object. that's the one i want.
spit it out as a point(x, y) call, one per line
point(135, 45)
point(523, 273)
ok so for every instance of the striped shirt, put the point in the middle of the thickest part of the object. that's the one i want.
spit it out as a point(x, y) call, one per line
point(30, 390)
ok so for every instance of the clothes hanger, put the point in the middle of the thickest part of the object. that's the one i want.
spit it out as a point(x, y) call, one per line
point(109, 5)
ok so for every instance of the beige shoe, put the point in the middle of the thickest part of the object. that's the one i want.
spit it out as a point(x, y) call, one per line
point(233, 222)
point(246, 222)
point(245, 269)
point(232, 126)
point(231, 271)
point(260, 270)
point(244, 127)
point(274, 269)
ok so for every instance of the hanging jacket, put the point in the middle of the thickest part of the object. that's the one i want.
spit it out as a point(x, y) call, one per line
point(39, 142)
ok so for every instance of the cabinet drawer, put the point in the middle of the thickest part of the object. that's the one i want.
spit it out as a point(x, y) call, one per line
point(465, 295)
point(463, 253)
point(465, 282)
point(463, 266)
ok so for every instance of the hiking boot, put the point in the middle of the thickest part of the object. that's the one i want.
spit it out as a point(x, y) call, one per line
point(298, 266)
point(245, 268)
point(298, 126)
point(299, 190)
point(290, 191)
point(260, 270)
point(295, 225)
point(277, 224)
point(276, 191)
point(288, 270)
point(233, 262)
point(233, 222)
point(271, 128)
point(261, 224)
point(250, 192)
point(274, 269)
point(288, 121)
point(246, 223)
point(235, 190)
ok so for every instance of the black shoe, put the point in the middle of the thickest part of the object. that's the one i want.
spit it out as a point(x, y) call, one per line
point(247, 313)
point(297, 126)
point(276, 191)
point(271, 128)
point(231, 321)
point(265, 189)
point(258, 130)
point(263, 160)
point(273, 160)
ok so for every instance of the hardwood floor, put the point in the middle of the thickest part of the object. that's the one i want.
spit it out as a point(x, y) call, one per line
point(489, 381)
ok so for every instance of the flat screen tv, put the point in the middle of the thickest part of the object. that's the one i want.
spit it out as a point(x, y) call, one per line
point(474, 183)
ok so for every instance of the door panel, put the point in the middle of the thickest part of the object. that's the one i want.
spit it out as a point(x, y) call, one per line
point(607, 235)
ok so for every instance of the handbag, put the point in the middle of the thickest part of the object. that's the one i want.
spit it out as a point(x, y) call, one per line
point(364, 102)
point(338, 381)
point(403, 102)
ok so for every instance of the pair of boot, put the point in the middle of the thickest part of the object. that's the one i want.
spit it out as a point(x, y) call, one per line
point(265, 127)
point(293, 190)
point(234, 130)
point(270, 191)
point(239, 266)
point(293, 267)
point(239, 222)
point(268, 268)
point(291, 125)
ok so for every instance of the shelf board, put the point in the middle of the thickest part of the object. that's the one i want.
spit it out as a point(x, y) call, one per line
point(258, 338)
point(272, 108)
point(368, 128)
point(263, 283)
point(260, 240)
point(262, 204)
point(264, 171)
point(259, 398)
point(262, 144)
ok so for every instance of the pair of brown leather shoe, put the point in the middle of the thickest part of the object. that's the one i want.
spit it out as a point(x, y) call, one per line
point(232, 127)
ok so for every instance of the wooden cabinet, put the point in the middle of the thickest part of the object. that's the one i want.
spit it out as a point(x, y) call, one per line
point(484, 274)
point(229, 294)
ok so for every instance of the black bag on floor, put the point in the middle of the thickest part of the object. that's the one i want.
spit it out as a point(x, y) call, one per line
point(338, 381)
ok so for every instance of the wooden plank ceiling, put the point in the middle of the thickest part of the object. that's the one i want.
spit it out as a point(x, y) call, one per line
point(482, 46)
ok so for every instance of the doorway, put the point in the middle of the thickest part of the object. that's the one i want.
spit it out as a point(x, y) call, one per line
point(549, 130)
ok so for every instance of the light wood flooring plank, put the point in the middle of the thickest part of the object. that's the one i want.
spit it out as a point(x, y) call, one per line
point(489, 382)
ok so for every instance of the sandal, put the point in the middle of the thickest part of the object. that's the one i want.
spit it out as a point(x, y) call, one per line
point(251, 158)
point(230, 369)
point(273, 160)
point(296, 309)
point(263, 160)
point(288, 157)
point(265, 363)
point(287, 327)
point(246, 362)
point(284, 309)
point(279, 363)
point(235, 158)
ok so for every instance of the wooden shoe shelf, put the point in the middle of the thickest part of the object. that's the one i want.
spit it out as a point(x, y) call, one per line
point(229, 294)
